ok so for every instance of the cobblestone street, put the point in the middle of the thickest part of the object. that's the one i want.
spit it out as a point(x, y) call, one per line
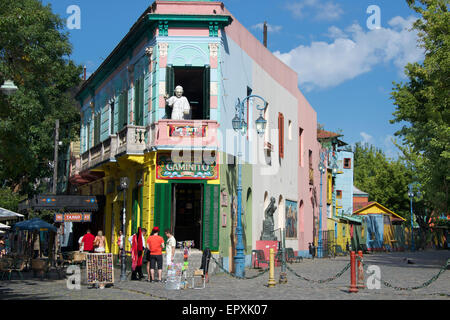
point(394, 270)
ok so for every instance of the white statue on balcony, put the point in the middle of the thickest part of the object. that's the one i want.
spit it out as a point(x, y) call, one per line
point(179, 104)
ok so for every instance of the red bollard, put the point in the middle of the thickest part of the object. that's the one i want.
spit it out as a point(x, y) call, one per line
point(361, 284)
point(353, 287)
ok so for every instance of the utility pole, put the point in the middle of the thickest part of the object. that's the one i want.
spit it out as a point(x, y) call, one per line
point(55, 166)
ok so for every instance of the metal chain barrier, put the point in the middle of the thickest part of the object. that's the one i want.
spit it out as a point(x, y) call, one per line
point(234, 276)
point(340, 273)
point(423, 285)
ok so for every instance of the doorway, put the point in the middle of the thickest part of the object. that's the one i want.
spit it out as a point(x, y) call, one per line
point(196, 85)
point(187, 212)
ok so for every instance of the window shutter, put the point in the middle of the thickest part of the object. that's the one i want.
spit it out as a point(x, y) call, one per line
point(281, 134)
point(211, 217)
point(163, 200)
point(111, 120)
point(96, 129)
point(170, 86)
point(206, 92)
point(138, 101)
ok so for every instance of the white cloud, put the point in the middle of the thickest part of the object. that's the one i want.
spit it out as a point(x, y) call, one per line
point(317, 9)
point(336, 33)
point(353, 52)
point(270, 28)
point(367, 138)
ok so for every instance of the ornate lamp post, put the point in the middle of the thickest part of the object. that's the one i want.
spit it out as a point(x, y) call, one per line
point(413, 190)
point(322, 171)
point(239, 125)
point(123, 187)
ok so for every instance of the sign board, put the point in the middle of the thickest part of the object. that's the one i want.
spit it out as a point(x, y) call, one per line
point(187, 131)
point(166, 168)
point(99, 268)
point(72, 217)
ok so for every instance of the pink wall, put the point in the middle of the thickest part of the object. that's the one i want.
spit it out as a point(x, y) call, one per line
point(191, 7)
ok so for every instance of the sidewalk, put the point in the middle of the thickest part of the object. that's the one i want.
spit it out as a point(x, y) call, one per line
point(393, 266)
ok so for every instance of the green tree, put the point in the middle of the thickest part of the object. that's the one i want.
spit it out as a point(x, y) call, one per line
point(9, 199)
point(422, 104)
point(34, 53)
point(385, 180)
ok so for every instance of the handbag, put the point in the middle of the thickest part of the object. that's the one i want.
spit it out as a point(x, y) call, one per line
point(146, 253)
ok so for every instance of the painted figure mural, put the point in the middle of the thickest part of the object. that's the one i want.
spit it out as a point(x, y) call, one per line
point(291, 219)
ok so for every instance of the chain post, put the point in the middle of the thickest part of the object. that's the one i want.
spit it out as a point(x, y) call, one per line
point(353, 288)
point(271, 282)
point(360, 284)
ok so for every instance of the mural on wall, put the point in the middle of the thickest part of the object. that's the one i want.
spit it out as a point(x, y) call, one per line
point(291, 219)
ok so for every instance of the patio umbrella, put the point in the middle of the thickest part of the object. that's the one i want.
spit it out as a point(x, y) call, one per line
point(6, 214)
point(4, 226)
point(35, 224)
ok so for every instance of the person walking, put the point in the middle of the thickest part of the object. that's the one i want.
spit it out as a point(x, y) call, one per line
point(99, 242)
point(137, 253)
point(120, 242)
point(88, 242)
point(155, 245)
point(170, 247)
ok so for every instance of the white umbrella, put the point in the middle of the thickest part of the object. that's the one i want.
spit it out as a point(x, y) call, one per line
point(4, 226)
point(6, 214)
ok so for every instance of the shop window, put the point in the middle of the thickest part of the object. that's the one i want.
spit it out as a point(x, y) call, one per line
point(196, 86)
point(347, 163)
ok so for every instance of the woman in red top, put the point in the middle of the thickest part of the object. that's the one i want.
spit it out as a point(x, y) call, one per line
point(155, 243)
point(137, 248)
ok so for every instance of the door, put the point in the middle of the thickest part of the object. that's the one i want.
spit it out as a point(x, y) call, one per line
point(163, 197)
point(211, 217)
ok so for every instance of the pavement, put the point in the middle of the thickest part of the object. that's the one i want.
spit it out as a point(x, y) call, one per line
point(394, 269)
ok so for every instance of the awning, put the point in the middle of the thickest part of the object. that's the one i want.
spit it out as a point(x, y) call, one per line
point(4, 226)
point(6, 214)
point(70, 203)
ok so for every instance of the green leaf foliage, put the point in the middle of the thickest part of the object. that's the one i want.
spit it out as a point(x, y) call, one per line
point(422, 103)
point(385, 180)
point(35, 54)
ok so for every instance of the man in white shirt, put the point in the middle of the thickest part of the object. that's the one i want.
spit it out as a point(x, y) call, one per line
point(179, 104)
point(170, 247)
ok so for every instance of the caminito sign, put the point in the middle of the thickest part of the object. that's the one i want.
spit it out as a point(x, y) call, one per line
point(168, 169)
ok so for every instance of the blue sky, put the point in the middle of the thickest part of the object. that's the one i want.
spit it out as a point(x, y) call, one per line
point(345, 69)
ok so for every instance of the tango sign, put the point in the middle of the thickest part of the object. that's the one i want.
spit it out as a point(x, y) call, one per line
point(72, 217)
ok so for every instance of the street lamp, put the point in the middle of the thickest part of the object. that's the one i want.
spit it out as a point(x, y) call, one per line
point(239, 125)
point(411, 194)
point(123, 187)
point(322, 171)
point(8, 87)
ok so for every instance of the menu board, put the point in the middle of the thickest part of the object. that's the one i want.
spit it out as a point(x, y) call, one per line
point(99, 268)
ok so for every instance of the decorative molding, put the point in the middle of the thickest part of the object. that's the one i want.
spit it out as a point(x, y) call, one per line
point(163, 28)
point(213, 49)
point(213, 29)
point(163, 49)
point(149, 53)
